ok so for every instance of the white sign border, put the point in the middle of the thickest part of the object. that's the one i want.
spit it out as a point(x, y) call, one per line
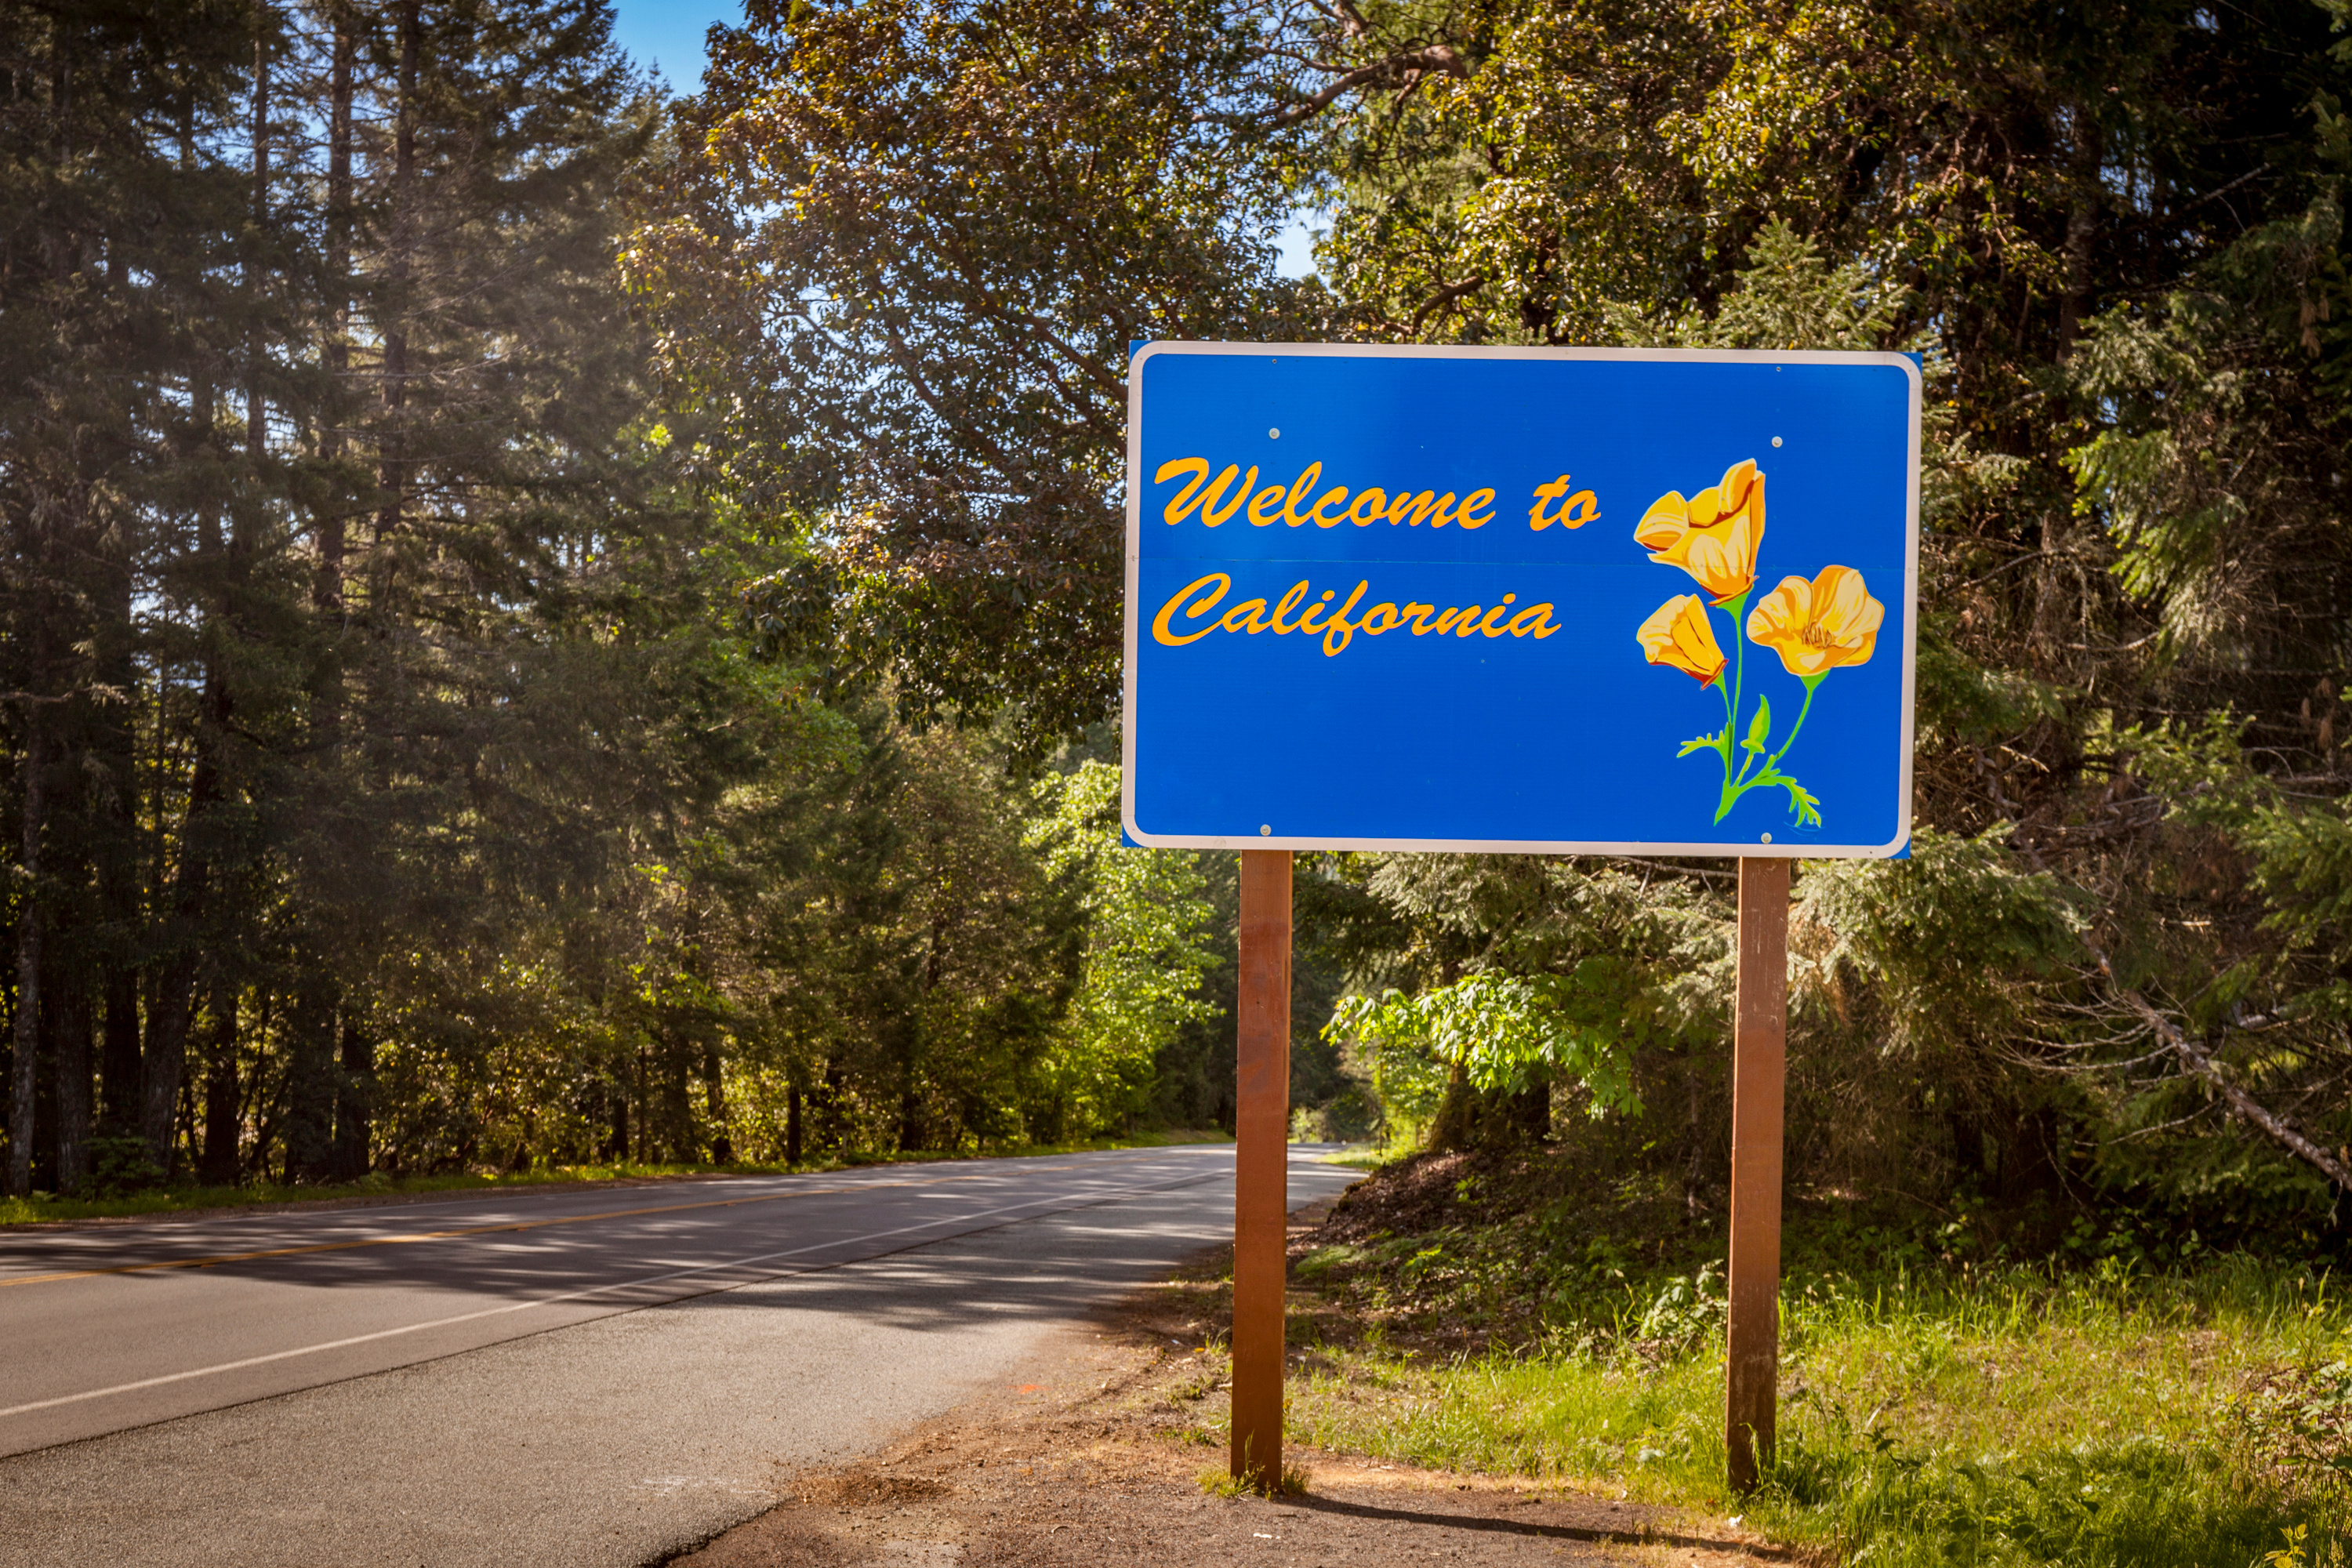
point(1762, 850)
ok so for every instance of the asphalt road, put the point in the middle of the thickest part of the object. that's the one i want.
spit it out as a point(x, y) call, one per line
point(597, 1377)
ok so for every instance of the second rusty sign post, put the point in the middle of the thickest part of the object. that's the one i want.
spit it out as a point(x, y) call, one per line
point(1759, 1072)
point(1261, 1165)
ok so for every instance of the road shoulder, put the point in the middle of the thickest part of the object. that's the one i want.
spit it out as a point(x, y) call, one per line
point(1093, 1456)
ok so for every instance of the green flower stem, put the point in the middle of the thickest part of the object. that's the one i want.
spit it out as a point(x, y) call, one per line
point(1736, 780)
point(1813, 684)
point(1771, 773)
point(1738, 680)
point(1734, 607)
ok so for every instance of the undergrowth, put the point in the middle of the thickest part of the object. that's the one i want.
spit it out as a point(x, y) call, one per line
point(2092, 1407)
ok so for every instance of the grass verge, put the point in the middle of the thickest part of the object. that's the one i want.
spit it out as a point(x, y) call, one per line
point(2167, 1421)
point(2104, 1414)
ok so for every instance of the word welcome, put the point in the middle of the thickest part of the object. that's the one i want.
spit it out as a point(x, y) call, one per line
point(1199, 599)
point(1289, 504)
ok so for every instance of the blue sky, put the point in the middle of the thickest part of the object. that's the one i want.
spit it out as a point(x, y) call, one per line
point(666, 35)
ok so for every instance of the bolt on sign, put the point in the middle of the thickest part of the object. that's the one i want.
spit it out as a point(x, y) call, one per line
point(1630, 602)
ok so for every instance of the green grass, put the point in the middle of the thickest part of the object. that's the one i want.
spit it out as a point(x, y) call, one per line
point(182, 1199)
point(1358, 1157)
point(2101, 1418)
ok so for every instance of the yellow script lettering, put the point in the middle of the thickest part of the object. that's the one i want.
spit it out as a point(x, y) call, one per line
point(1338, 626)
point(1299, 488)
point(1289, 603)
point(1182, 507)
point(1579, 509)
point(1192, 613)
point(1163, 632)
point(1536, 619)
point(1262, 506)
point(1476, 503)
point(1413, 510)
point(1331, 497)
point(1243, 617)
point(1209, 513)
point(1538, 518)
point(1371, 505)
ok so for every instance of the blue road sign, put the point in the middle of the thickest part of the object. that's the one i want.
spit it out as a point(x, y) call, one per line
point(1634, 602)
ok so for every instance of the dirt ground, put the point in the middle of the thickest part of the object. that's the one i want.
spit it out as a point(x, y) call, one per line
point(1086, 1464)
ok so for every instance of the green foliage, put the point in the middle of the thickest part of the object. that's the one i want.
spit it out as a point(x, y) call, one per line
point(464, 714)
point(2213, 466)
point(1501, 1032)
point(911, 243)
point(1958, 942)
point(1146, 922)
point(1789, 295)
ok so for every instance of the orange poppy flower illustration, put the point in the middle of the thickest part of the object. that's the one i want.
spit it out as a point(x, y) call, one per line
point(1677, 635)
point(1714, 536)
point(1815, 626)
point(1820, 625)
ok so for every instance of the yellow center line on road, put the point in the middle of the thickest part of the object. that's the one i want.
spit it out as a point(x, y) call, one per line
point(458, 1232)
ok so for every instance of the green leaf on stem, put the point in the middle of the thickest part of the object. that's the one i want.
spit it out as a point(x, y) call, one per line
point(1703, 741)
point(1759, 730)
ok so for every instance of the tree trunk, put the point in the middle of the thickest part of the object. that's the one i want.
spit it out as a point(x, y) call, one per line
point(327, 585)
point(169, 1016)
point(1455, 1124)
point(220, 1165)
point(834, 1126)
point(119, 847)
point(257, 409)
point(355, 1100)
point(392, 470)
point(311, 1086)
point(714, 1101)
point(1531, 1111)
point(2076, 305)
point(69, 1009)
point(910, 1115)
point(118, 1067)
point(678, 1143)
point(27, 1043)
point(793, 1125)
point(643, 1152)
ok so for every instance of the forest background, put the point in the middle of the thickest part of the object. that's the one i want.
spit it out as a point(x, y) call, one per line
point(545, 621)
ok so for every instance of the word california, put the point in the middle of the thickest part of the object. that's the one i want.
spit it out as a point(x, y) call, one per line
point(1199, 599)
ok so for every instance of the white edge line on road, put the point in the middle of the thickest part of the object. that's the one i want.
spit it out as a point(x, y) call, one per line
point(1091, 1201)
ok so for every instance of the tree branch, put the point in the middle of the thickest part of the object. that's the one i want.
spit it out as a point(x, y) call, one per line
point(2190, 1054)
point(1445, 296)
point(1406, 69)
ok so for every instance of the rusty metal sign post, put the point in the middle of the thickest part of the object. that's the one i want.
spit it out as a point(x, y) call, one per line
point(1759, 1072)
point(1261, 1165)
